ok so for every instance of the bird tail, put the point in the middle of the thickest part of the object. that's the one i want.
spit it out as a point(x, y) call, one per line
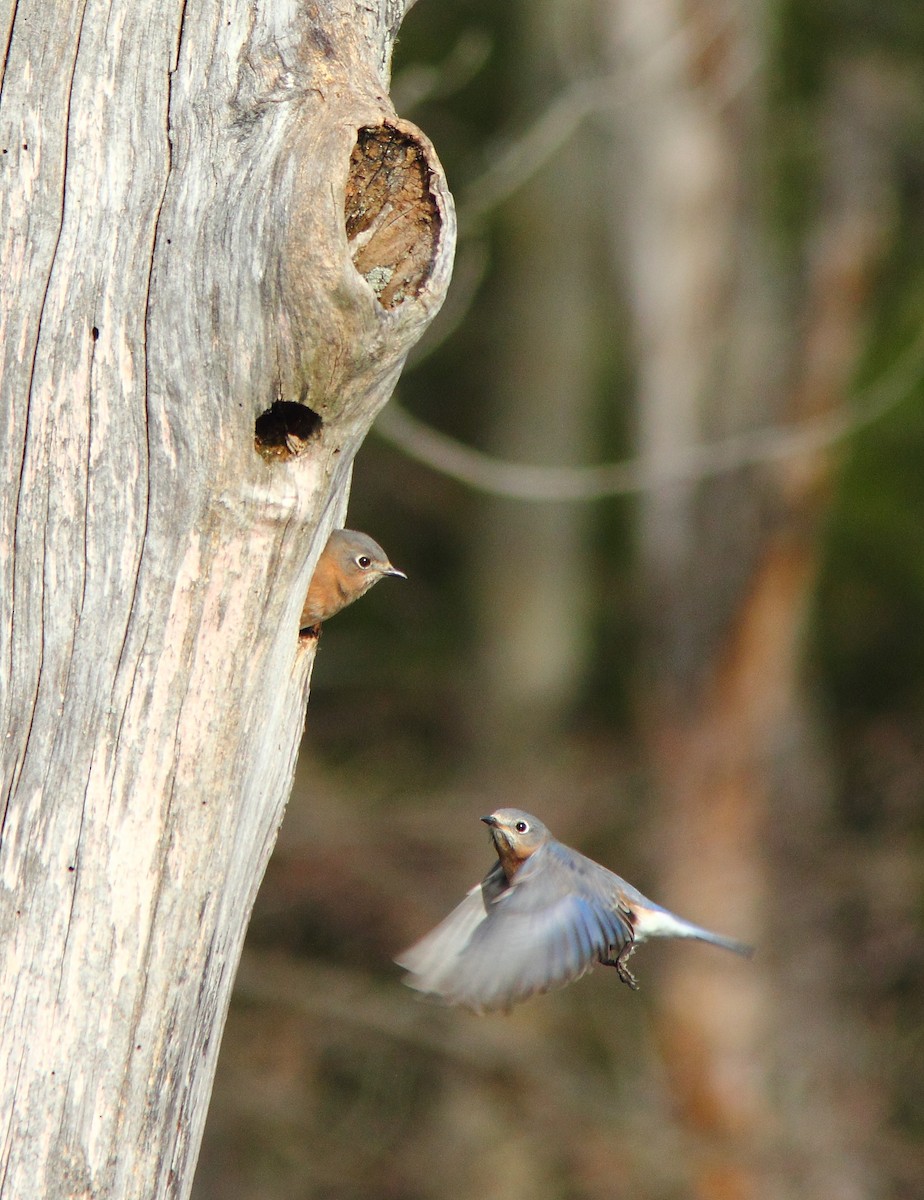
point(658, 922)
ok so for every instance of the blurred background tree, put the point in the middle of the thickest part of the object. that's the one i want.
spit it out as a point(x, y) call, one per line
point(690, 243)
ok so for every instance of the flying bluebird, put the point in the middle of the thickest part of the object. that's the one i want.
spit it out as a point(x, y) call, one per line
point(542, 916)
point(349, 565)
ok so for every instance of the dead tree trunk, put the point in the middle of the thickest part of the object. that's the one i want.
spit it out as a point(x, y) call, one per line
point(219, 243)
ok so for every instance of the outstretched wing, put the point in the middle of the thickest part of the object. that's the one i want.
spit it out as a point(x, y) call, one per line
point(440, 949)
point(504, 944)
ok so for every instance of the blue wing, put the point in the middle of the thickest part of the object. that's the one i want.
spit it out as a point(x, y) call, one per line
point(503, 944)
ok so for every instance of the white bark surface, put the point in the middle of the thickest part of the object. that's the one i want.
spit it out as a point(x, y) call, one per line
point(188, 208)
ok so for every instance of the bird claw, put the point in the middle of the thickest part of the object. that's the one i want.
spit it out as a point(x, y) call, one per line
point(626, 975)
point(619, 962)
point(310, 632)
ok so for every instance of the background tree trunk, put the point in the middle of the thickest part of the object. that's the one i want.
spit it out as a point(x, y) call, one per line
point(531, 561)
point(205, 211)
point(730, 565)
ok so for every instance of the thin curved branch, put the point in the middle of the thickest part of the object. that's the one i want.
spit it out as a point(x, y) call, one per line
point(521, 481)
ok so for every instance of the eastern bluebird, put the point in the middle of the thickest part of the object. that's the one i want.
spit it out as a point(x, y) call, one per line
point(349, 565)
point(543, 915)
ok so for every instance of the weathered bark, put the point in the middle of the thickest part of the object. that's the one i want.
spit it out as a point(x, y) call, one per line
point(730, 564)
point(205, 211)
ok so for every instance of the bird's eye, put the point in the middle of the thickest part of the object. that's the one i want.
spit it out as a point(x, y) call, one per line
point(521, 827)
point(364, 561)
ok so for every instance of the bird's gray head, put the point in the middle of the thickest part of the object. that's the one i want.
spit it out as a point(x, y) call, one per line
point(360, 559)
point(517, 834)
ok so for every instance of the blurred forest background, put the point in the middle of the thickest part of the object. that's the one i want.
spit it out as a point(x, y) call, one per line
point(690, 244)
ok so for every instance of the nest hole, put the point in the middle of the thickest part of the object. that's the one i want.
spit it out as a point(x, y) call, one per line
point(285, 429)
point(392, 218)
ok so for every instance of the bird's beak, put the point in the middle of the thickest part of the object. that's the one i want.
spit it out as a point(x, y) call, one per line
point(393, 571)
point(492, 821)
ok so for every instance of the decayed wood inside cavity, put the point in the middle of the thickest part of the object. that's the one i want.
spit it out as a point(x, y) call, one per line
point(285, 429)
point(392, 220)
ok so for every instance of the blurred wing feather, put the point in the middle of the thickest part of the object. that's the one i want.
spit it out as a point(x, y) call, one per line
point(437, 951)
point(502, 945)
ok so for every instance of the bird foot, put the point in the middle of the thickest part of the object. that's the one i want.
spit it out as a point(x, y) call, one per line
point(310, 632)
point(626, 976)
point(619, 962)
